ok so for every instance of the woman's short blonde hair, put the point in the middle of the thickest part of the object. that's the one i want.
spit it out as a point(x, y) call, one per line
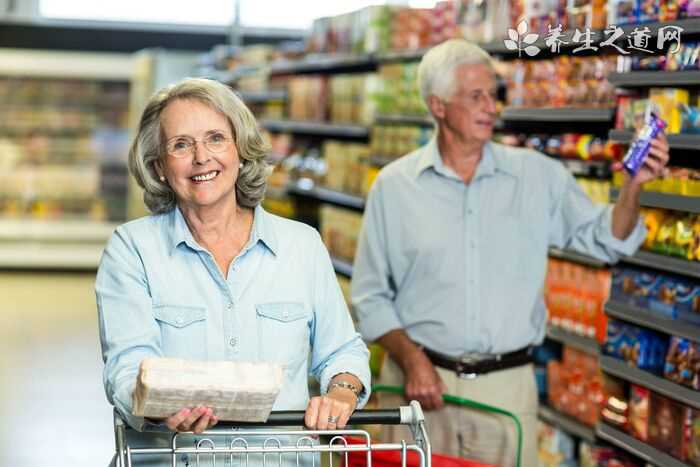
point(436, 72)
point(148, 146)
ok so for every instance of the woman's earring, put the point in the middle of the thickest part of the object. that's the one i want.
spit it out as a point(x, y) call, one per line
point(162, 179)
point(240, 165)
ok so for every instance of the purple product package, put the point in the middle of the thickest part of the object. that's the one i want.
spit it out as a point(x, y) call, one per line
point(634, 159)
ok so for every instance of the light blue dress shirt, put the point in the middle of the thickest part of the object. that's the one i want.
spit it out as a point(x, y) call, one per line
point(160, 294)
point(460, 267)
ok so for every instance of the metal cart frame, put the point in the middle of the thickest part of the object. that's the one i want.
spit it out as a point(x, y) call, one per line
point(209, 451)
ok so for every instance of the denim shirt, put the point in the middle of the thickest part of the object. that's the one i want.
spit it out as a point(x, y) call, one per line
point(160, 294)
point(461, 266)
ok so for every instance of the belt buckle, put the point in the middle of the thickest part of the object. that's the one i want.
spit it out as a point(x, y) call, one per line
point(469, 359)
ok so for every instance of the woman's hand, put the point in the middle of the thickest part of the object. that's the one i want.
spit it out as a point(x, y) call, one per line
point(196, 420)
point(332, 411)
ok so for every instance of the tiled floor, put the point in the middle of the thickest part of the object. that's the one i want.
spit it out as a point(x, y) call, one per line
point(52, 406)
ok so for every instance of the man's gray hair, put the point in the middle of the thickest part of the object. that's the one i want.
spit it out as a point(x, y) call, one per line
point(436, 72)
point(148, 147)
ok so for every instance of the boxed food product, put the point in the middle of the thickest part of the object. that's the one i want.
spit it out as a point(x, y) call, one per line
point(639, 347)
point(683, 362)
point(237, 391)
point(668, 102)
point(693, 446)
point(556, 448)
point(639, 412)
point(667, 423)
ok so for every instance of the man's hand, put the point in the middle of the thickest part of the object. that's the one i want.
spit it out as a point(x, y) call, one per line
point(626, 210)
point(197, 420)
point(654, 164)
point(422, 381)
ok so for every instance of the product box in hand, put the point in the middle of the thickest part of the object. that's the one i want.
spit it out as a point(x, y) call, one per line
point(236, 391)
point(638, 347)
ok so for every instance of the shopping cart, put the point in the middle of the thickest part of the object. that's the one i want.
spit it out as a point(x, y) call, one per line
point(234, 450)
point(445, 461)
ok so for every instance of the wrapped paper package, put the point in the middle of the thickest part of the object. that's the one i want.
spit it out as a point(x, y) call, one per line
point(236, 391)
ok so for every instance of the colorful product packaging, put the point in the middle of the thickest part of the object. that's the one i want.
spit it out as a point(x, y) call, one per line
point(637, 153)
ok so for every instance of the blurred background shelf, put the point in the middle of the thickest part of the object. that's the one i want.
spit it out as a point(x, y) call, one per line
point(422, 120)
point(687, 142)
point(568, 424)
point(632, 79)
point(654, 199)
point(307, 189)
point(636, 447)
point(665, 263)
point(586, 344)
point(648, 319)
point(252, 97)
point(663, 386)
point(315, 128)
point(342, 267)
point(557, 114)
point(579, 258)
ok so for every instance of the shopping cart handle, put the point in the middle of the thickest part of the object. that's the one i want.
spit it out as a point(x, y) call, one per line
point(296, 418)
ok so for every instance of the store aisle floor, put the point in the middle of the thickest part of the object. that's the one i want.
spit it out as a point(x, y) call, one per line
point(52, 407)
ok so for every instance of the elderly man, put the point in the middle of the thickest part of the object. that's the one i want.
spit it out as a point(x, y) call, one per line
point(453, 253)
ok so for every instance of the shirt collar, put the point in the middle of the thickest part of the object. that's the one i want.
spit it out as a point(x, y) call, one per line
point(263, 231)
point(493, 160)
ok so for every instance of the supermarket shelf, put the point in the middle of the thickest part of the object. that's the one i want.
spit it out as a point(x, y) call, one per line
point(636, 447)
point(689, 25)
point(565, 422)
point(342, 267)
point(652, 320)
point(665, 263)
point(653, 199)
point(231, 76)
point(50, 256)
point(655, 78)
point(663, 386)
point(402, 55)
point(585, 344)
point(324, 63)
point(576, 257)
point(422, 120)
point(677, 141)
point(307, 189)
point(251, 97)
point(316, 128)
point(583, 168)
point(55, 231)
point(557, 114)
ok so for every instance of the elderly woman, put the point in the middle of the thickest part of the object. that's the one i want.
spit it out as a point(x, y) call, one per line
point(211, 276)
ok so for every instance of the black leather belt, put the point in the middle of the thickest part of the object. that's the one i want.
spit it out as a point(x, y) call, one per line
point(471, 366)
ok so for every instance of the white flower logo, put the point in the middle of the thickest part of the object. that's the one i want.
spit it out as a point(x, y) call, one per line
point(519, 37)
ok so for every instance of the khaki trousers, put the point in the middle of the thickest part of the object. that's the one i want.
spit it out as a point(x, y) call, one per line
point(475, 435)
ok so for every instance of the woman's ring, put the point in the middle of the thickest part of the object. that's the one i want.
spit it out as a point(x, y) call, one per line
point(332, 419)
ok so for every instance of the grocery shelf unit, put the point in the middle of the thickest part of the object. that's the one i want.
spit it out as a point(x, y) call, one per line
point(647, 319)
point(63, 124)
point(585, 344)
point(597, 120)
point(569, 424)
point(638, 448)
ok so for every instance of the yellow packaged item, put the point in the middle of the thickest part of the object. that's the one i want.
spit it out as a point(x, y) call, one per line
point(667, 100)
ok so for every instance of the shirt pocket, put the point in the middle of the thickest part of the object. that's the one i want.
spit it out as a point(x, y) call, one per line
point(183, 330)
point(283, 332)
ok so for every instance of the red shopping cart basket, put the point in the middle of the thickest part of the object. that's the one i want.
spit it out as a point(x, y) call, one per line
point(438, 459)
point(393, 458)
